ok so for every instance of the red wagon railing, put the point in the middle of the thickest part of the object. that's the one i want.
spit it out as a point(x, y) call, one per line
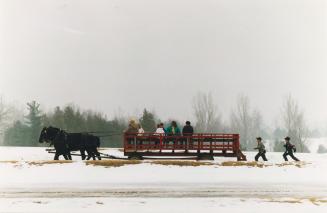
point(201, 145)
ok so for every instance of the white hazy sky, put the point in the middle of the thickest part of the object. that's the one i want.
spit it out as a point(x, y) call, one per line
point(106, 54)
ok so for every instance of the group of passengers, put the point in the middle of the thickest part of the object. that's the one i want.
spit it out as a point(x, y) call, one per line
point(171, 130)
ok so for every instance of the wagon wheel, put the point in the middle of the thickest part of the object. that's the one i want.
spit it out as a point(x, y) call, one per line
point(135, 157)
point(205, 157)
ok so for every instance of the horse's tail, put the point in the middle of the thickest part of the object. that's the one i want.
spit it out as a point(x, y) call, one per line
point(98, 142)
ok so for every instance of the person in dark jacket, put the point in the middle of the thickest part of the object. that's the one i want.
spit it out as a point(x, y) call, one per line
point(290, 148)
point(262, 150)
point(187, 129)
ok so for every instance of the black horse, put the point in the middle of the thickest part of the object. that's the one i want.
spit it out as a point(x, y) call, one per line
point(84, 142)
point(57, 137)
point(65, 142)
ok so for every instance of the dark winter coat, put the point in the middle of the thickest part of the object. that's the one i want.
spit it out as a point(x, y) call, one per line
point(289, 147)
point(188, 130)
point(261, 147)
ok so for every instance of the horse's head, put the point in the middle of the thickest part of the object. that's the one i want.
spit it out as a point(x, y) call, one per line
point(43, 135)
point(48, 134)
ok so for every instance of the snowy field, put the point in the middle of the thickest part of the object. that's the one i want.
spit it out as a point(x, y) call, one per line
point(28, 184)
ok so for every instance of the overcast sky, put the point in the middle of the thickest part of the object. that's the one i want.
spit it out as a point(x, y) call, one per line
point(131, 54)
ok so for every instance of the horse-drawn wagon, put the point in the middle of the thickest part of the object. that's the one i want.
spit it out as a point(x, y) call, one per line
point(202, 146)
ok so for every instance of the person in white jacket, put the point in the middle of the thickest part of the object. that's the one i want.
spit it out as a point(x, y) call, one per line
point(160, 129)
point(140, 130)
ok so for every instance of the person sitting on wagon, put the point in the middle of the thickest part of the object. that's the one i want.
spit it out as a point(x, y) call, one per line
point(163, 127)
point(262, 150)
point(173, 130)
point(187, 130)
point(140, 133)
point(132, 129)
point(140, 130)
point(160, 131)
point(290, 148)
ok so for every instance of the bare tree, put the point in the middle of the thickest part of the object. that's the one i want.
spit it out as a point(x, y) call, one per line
point(206, 114)
point(257, 124)
point(248, 123)
point(294, 123)
point(241, 120)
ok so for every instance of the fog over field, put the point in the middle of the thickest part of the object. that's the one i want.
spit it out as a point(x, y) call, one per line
point(113, 54)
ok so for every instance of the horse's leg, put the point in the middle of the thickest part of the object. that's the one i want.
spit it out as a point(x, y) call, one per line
point(56, 157)
point(83, 154)
point(65, 156)
point(97, 153)
point(92, 153)
point(93, 156)
point(69, 156)
point(89, 155)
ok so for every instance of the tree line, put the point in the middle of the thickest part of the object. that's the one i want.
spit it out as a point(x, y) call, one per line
point(243, 119)
point(26, 131)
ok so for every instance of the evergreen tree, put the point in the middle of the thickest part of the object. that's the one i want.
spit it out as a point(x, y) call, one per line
point(33, 120)
point(147, 121)
point(117, 127)
point(69, 119)
point(57, 119)
point(17, 135)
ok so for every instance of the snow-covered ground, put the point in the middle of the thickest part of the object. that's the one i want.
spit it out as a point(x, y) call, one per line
point(147, 187)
